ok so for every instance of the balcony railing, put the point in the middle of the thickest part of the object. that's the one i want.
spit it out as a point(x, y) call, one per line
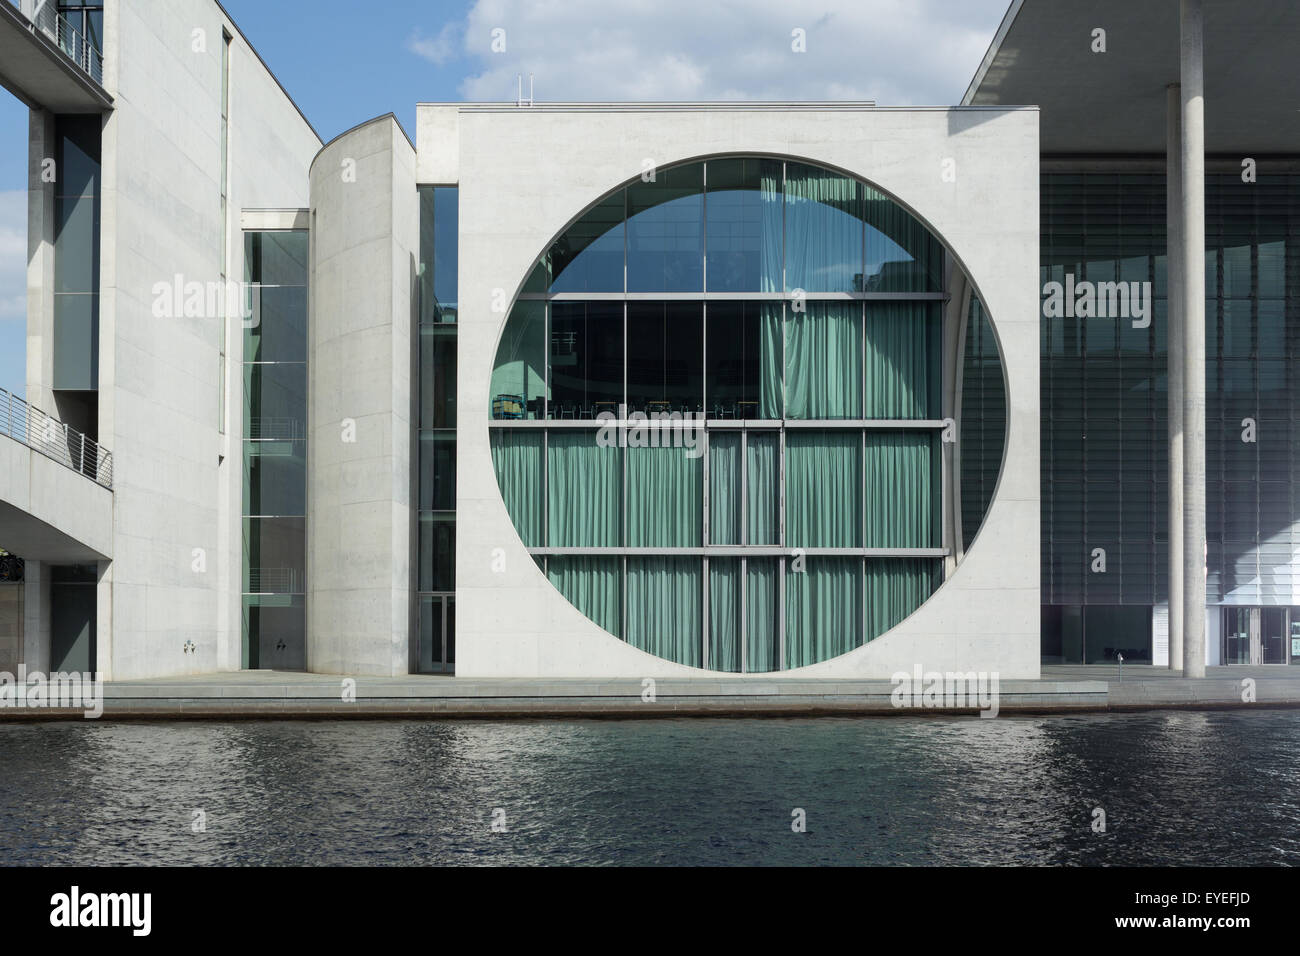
point(54, 439)
point(47, 20)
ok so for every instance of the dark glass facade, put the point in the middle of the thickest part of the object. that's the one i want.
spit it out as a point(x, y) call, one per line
point(275, 450)
point(436, 483)
point(1105, 407)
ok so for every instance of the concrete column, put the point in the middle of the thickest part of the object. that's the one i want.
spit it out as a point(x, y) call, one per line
point(1193, 302)
point(365, 246)
point(36, 616)
point(40, 262)
point(1174, 350)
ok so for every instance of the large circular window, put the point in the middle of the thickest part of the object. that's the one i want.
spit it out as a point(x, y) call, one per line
point(717, 417)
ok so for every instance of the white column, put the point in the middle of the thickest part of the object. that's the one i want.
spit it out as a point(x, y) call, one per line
point(1174, 351)
point(1193, 301)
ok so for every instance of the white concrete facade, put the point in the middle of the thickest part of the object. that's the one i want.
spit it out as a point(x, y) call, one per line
point(169, 600)
point(168, 539)
point(364, 257)
point(519, 187)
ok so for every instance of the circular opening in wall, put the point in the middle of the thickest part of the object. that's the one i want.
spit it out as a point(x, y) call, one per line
point(718, 413)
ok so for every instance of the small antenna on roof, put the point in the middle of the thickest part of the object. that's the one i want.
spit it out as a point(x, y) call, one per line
point(519, 99)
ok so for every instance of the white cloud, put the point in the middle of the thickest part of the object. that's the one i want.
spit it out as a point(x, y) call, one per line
point(897, 52)
point(13, 256)
point(440, 49)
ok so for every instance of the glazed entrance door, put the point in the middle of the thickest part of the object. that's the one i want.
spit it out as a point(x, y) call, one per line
point(1274, 635)
point(1236, 635)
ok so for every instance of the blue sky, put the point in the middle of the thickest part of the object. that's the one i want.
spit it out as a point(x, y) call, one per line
point(344, 62)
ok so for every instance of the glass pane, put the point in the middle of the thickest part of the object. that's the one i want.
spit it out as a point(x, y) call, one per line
point(586, 359)
point(823, 361)
point(901, 489)
point(275, 478)
point(744, 225)
point(593, 585)
point(438, 376)
point(517, 461)
point(823, 606)
point(76, 244)
point(275, 632)
point(275, 400)
point(438, 471)
point(762, 624)
point(446, 237)
point(276, 258)
point(664, 607)
point(589, 256)
point(519, 373)
point(274, 555)
point(744, 360)
point(276, 329)
point(665, 231)
point(823, 489)
point(430, 635)
point(823, 230)
point(724, 614)
point(724, 488)
point(903, 359)
point(437, 559)
point(584, 491)
point(664, 497)
point(901, 254)
point(665, 365)
point(763, 464)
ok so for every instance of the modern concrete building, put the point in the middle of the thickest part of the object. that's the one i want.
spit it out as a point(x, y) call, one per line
point(737, 388)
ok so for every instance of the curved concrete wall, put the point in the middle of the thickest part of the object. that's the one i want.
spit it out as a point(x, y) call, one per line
point(365, 242)
point(523, 177)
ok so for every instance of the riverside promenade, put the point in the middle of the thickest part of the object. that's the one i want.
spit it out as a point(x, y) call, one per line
point(1061, 689)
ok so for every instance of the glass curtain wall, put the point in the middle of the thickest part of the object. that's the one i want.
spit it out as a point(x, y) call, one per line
point(436, 491)
point(1105, 403)
point(713, 368)
point(275, 451)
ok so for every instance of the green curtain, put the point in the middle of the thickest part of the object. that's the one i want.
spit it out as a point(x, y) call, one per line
point(903, 352)
point(762, 462)
point(592, 585)
point(584, 491)
point(901, 254)
point(517, 460)
point(724, 487)
point(771, 359)
point(761, 631)
point(823, 230)
point(772, 201)
point(823, 361)
point(724, 614)
point(664, 607)
point(823, 502)
point(895, 588)
point(665, 504)
point(902, 469)
point(823, 610)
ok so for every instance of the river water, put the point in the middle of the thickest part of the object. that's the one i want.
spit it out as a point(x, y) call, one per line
point(1207, 788)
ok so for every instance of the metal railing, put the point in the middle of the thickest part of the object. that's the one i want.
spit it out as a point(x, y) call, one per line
point(274, 581)
point(54, 439)
point(47, 19)
point(276, 429)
